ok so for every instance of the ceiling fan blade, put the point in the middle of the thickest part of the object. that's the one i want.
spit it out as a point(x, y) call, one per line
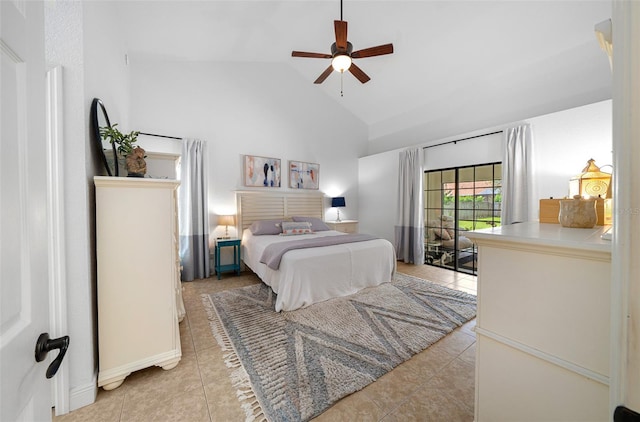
point(341, 35)
point(359, 74)
point(324, 75)
point(373, 51)
point(311, 55)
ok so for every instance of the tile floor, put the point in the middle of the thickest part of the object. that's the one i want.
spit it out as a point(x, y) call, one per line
point(435, 385)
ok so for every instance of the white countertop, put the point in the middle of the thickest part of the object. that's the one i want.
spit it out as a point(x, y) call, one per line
point(546, 234)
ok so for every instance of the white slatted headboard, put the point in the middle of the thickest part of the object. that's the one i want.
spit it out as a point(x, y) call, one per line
point(270, 205)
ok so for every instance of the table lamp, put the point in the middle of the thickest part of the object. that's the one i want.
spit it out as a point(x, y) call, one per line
point(338, 202)
point(226, 221)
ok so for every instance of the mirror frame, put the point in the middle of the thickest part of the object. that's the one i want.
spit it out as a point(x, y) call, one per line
point(98, 106)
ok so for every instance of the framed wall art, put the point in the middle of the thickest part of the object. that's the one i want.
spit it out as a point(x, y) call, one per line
point(261, 171)
point(304, 175)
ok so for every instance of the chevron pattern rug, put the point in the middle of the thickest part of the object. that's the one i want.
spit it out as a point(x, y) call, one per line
point(292, 366)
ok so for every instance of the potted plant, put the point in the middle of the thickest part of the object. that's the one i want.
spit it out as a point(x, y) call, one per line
point(134, 155)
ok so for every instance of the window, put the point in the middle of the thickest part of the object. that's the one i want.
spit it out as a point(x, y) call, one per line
point(457, 200)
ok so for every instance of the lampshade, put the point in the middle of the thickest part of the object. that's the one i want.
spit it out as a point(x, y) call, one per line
point(338, 202)
point(591, 182)
point(226, 220)
point(341, 62)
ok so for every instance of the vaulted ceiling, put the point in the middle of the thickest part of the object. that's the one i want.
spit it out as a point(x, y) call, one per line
point(458, 66)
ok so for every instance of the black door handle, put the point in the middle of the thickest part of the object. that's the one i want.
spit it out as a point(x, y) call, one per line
point(44, 345)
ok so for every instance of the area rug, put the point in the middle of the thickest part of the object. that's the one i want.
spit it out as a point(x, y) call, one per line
point(292, 366)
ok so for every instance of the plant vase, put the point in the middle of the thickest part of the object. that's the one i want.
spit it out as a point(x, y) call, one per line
point(135, 163)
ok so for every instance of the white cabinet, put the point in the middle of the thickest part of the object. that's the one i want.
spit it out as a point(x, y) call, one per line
point(543, 323)
point(139, 292)
point(345, 226)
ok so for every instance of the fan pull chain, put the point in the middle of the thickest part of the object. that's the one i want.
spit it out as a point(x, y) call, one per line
point(341, 73)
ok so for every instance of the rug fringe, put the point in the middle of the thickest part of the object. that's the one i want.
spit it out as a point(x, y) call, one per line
point(239, 376)
point(232, 360)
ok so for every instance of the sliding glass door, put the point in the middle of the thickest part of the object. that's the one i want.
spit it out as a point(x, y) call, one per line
point(458, 200)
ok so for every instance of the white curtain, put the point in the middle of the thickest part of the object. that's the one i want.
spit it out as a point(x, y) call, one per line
point(409, 230)
point(517, 174)
point(193, 210)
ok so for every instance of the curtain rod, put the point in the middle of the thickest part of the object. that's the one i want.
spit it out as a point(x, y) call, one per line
point(160, 136)
point(463, 139)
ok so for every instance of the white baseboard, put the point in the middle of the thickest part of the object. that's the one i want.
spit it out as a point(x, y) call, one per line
point(84, 395)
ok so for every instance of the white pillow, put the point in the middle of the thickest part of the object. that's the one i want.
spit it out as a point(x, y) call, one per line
point(316, 224)
point(265, 227)
point(290, 228)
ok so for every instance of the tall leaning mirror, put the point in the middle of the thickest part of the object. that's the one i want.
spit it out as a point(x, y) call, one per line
point(107, 150)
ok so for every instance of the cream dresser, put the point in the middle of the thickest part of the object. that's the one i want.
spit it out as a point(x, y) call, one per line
point(139, 292)
point(345, 226)
point(543, 324)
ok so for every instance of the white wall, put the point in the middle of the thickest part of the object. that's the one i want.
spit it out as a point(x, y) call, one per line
point(563, 142)
point(82, 37)
point(64, 46)
point(378, 187)
point(248, 108)
point(485, 149)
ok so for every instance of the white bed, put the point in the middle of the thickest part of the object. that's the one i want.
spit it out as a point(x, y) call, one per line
point(308, 276)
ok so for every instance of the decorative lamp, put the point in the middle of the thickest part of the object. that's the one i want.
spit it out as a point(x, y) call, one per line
point(338, 202)
point(226, 221)
point(341, 62)
point(591, 182)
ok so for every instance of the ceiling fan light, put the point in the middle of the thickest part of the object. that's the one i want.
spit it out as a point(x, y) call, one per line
point(341, 62)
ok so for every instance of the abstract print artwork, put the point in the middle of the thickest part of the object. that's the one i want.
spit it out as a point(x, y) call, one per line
point(304, 175)
point(261, 171)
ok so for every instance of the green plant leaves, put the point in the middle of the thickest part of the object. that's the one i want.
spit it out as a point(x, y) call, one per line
point(123, 141)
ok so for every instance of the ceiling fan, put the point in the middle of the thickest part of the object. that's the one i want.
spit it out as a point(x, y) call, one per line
point(342, 54)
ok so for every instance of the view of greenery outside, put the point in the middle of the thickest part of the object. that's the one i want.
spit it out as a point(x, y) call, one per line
point(482, 223)
point(449, 198)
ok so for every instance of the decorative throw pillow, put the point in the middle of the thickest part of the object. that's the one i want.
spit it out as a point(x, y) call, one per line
point(446, 219)
point(447, 223)
point(293, 228)
point(266, 227)
point(464, 242)
point(442, 234)
point(317, 225)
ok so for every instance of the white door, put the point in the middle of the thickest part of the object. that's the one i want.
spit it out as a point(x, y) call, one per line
point(25, 393)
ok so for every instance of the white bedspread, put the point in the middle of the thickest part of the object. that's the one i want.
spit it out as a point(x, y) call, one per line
point(314, 275)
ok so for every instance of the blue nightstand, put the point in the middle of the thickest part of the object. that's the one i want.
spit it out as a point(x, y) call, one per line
point(223, 243)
